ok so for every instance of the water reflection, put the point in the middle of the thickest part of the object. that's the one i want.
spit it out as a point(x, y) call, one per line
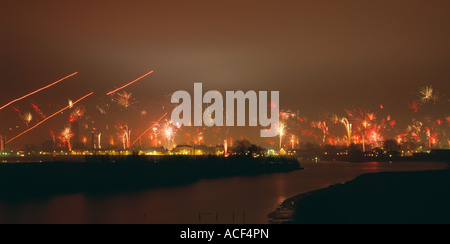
point(233, 200)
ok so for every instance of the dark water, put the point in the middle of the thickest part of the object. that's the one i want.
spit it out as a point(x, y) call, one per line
point(248, 199)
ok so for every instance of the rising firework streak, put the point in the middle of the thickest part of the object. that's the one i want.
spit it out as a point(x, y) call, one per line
point(38, 90)
point(131, 83)
point(49, 117)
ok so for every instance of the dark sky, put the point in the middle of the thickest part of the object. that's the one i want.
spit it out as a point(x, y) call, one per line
point(323, 56)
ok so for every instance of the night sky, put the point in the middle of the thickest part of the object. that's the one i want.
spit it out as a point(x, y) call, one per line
point(323, 56)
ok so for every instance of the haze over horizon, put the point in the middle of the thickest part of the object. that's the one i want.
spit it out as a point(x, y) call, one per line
point(323, 56)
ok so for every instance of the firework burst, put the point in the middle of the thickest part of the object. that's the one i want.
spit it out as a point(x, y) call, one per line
point(101, 109)
point(28, 118)
point(154, 128)
point(281, 132)
point(426, 94)
point(77, 113)
point(348, 127)
point(51, 116)
point(65, 136)
point(125, 99)
point(414, 106)
point(124, 134)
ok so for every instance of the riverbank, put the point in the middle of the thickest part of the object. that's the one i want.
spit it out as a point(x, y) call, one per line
point(378, 198)
point(125, 174)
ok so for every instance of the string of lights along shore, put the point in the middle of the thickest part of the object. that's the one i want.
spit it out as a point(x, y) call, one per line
point(368, 128)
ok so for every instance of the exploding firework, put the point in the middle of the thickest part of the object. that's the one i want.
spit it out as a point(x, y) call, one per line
point(38, 90)
point(371, 116)
point(28, 117)
point(426, 94)
point(84, 140)
point(294, 141)
point(124, 99)
point(124, 134)
point(287, 114)
point(65, 137)
point(111, 141)
point(348, 127)
point(323, 126)
point(51, 116)
point(169, 130)
point(77, 113)
point(335, 118)
point(101, 109)
point(281, 131)
point(414, 106)
point(361, 118)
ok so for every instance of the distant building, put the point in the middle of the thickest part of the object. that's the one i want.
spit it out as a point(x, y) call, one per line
point(183, 150)
point(156, 151)
point(198, 150)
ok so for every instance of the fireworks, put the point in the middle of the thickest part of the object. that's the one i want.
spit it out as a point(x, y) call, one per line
point(51, 116)
point(348, 127)
point(287, 114)
point(28, 117)
point(84, 140)
point(362, 127)
point(169, 133)
point(414, 106)
point(323, 126)
point(38, 90)
point(293, 141)
point(124, 99)
point(371, 116)
point(65, 137)
point(77, 113)
point(129, 84)
point(101, 109)
point(426, 94)
point(124, 134)
point(281, 133)
point(154, 128)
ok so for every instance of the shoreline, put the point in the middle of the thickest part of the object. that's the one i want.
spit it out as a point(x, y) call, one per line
point(375, 198)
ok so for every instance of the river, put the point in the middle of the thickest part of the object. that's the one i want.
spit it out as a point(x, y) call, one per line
point(227, 200)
